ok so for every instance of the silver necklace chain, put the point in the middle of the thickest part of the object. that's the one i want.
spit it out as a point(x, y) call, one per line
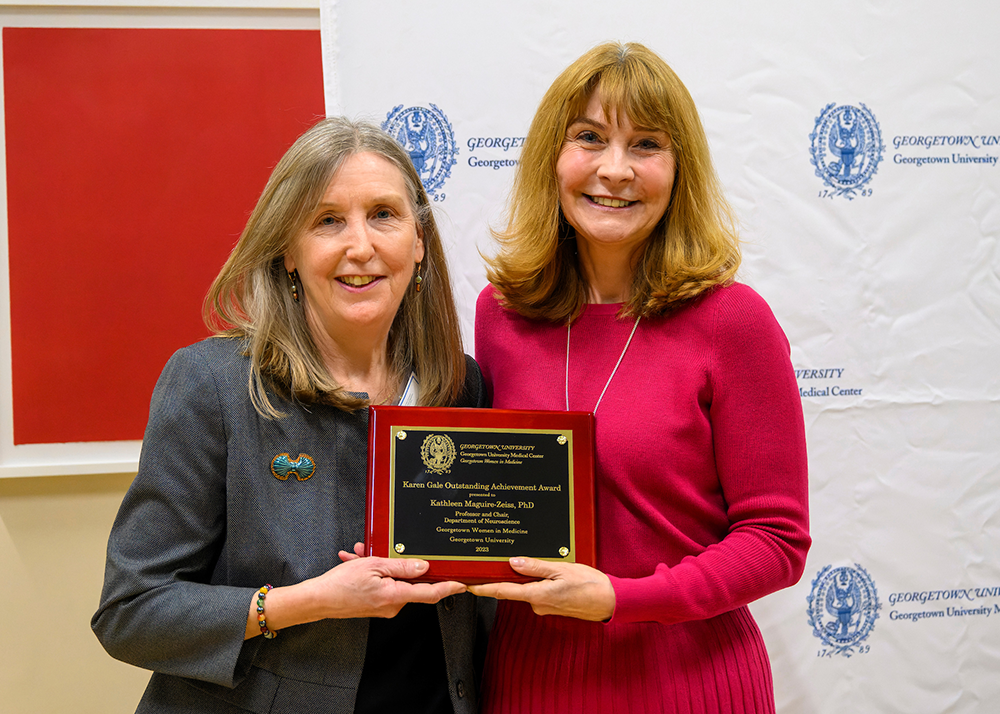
point(569, 327)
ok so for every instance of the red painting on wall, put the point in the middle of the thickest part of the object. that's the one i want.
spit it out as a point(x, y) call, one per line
point(134, 157)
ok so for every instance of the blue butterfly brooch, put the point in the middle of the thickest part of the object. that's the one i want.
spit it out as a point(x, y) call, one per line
point(303, 467)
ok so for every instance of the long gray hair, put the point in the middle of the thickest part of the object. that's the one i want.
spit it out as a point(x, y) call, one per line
point(250, 298)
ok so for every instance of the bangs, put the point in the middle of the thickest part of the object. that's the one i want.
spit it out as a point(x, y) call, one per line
point(629, 87)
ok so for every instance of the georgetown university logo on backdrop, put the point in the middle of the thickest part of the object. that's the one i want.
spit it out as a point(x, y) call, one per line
point(427, 136)
point(843, 607)
point(846, 146)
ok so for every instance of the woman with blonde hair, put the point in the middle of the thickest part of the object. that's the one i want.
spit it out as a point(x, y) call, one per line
point(231, 570)
point(613, 292)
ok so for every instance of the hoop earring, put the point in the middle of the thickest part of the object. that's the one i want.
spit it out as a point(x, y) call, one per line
point(293, 278)
point(418, 280)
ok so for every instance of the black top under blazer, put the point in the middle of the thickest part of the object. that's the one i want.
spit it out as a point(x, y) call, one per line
point(206, 522)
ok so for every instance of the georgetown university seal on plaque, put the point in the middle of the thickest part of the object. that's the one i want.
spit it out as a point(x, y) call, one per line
point(846, 147)
point(843, 607)
point(438, 453)
point(427, 136)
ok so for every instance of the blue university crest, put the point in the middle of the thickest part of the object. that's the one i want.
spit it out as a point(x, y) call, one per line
point(846, 146)
point(427, 136)
point(843, 607)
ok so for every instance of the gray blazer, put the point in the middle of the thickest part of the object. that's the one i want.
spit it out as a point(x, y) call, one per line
point(206, 522)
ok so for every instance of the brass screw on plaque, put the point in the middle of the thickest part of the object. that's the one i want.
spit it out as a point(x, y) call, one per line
point(399, 548)
point(561, 439)
point(564, 551)
point(400, 435)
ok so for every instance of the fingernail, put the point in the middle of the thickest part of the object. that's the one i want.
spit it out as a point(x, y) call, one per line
point(516, 562)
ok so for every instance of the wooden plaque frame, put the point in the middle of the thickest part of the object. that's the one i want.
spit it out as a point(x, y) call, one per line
point(470, 500)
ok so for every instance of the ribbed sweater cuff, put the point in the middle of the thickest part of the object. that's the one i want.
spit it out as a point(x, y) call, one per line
point(635, 601)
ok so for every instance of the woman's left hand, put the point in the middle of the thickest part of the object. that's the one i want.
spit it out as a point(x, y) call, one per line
point(568, 589)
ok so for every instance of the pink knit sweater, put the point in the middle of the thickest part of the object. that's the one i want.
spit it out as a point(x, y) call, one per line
point(701, 504)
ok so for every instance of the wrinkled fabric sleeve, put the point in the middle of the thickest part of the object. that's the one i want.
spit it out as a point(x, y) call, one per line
point(760, 453)
point(159, 609)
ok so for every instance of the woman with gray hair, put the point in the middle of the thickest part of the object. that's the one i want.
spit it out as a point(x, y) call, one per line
point(230, 570)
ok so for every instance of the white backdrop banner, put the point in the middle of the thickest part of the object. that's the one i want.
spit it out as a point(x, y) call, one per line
point(859, 142)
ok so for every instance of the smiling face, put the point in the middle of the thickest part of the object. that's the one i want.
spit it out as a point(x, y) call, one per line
point(357, 254)
point(615, 179)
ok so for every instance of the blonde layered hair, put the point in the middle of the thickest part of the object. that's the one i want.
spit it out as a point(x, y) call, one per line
point(251, 299)
point(692, 249)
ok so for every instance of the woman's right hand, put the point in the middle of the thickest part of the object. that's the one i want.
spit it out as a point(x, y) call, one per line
point(377, 587)
point(358, 587)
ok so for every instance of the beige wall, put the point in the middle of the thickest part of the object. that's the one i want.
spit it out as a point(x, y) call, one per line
point(53, 535)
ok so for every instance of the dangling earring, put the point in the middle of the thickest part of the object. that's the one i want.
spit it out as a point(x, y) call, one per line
point(293, 277)
point(418, 280)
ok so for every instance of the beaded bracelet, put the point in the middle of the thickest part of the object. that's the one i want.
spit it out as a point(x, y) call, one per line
point(261, 594)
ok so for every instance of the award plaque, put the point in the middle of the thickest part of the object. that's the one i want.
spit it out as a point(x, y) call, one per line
point(467, 489)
